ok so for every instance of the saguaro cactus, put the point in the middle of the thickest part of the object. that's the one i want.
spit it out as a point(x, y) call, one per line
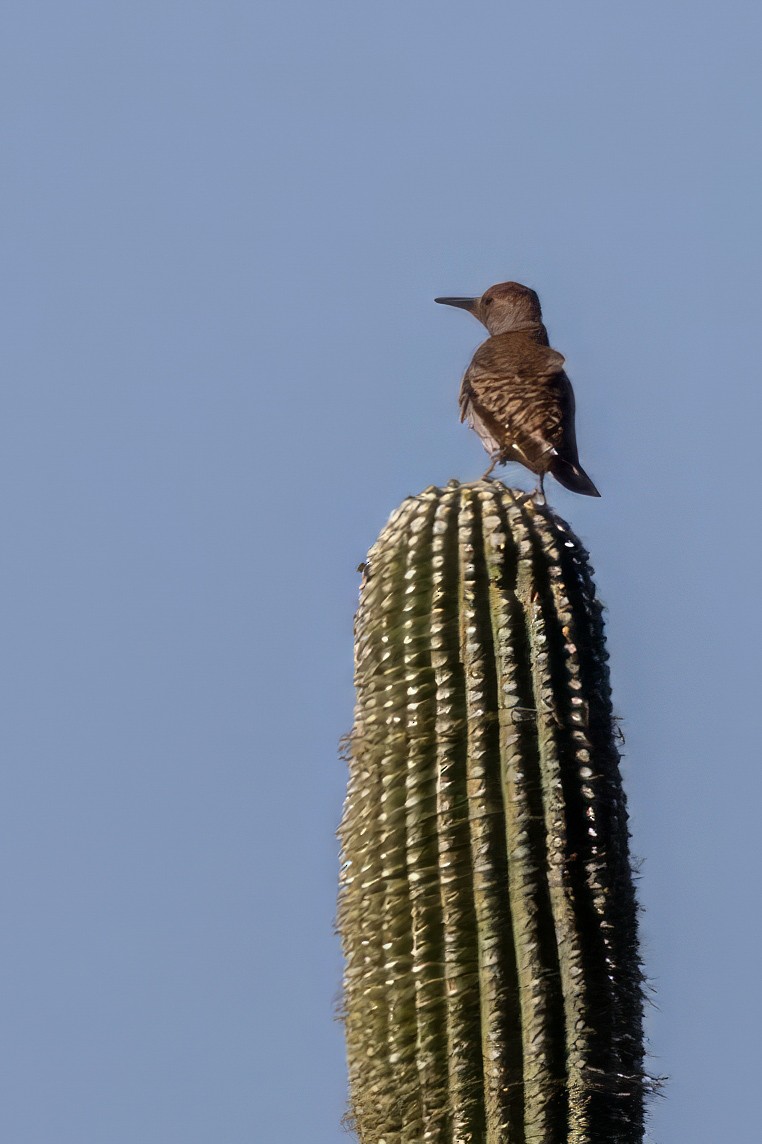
point(493, 989)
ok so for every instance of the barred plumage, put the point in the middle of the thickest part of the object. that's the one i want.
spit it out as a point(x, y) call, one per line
point(515, 393)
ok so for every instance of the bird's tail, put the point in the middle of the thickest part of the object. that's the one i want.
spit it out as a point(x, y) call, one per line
point(573, 477)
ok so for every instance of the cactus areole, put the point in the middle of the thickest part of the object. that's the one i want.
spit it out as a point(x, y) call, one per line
point(493, 990)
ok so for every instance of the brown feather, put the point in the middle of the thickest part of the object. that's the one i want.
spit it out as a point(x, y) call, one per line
point(515, 393)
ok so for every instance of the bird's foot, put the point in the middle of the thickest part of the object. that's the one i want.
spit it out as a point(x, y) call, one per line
point(538, 494)
point(495, 460)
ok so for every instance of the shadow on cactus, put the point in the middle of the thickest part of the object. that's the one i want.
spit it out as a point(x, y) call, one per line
point(493, 990)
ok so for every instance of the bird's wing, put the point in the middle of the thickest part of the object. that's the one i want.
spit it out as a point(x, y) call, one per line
point(488, 435)
point(516, 394)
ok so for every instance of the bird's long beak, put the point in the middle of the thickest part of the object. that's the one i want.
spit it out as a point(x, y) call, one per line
point(461, 303)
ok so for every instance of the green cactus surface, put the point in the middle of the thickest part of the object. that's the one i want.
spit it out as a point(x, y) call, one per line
point(493, 990)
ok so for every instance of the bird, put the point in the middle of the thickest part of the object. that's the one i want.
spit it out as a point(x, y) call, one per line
point(515, 393)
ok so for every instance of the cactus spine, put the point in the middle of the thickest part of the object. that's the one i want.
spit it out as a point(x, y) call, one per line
point(492, 989)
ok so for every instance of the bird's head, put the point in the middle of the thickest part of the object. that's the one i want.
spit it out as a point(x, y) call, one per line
point(506, 306)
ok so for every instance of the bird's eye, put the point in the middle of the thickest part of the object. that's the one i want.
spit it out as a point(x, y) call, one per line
point(487, 301)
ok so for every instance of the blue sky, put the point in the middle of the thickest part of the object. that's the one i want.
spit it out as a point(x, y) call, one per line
point(223, 228)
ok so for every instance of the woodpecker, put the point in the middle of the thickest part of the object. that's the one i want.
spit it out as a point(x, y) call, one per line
point(515, 393)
